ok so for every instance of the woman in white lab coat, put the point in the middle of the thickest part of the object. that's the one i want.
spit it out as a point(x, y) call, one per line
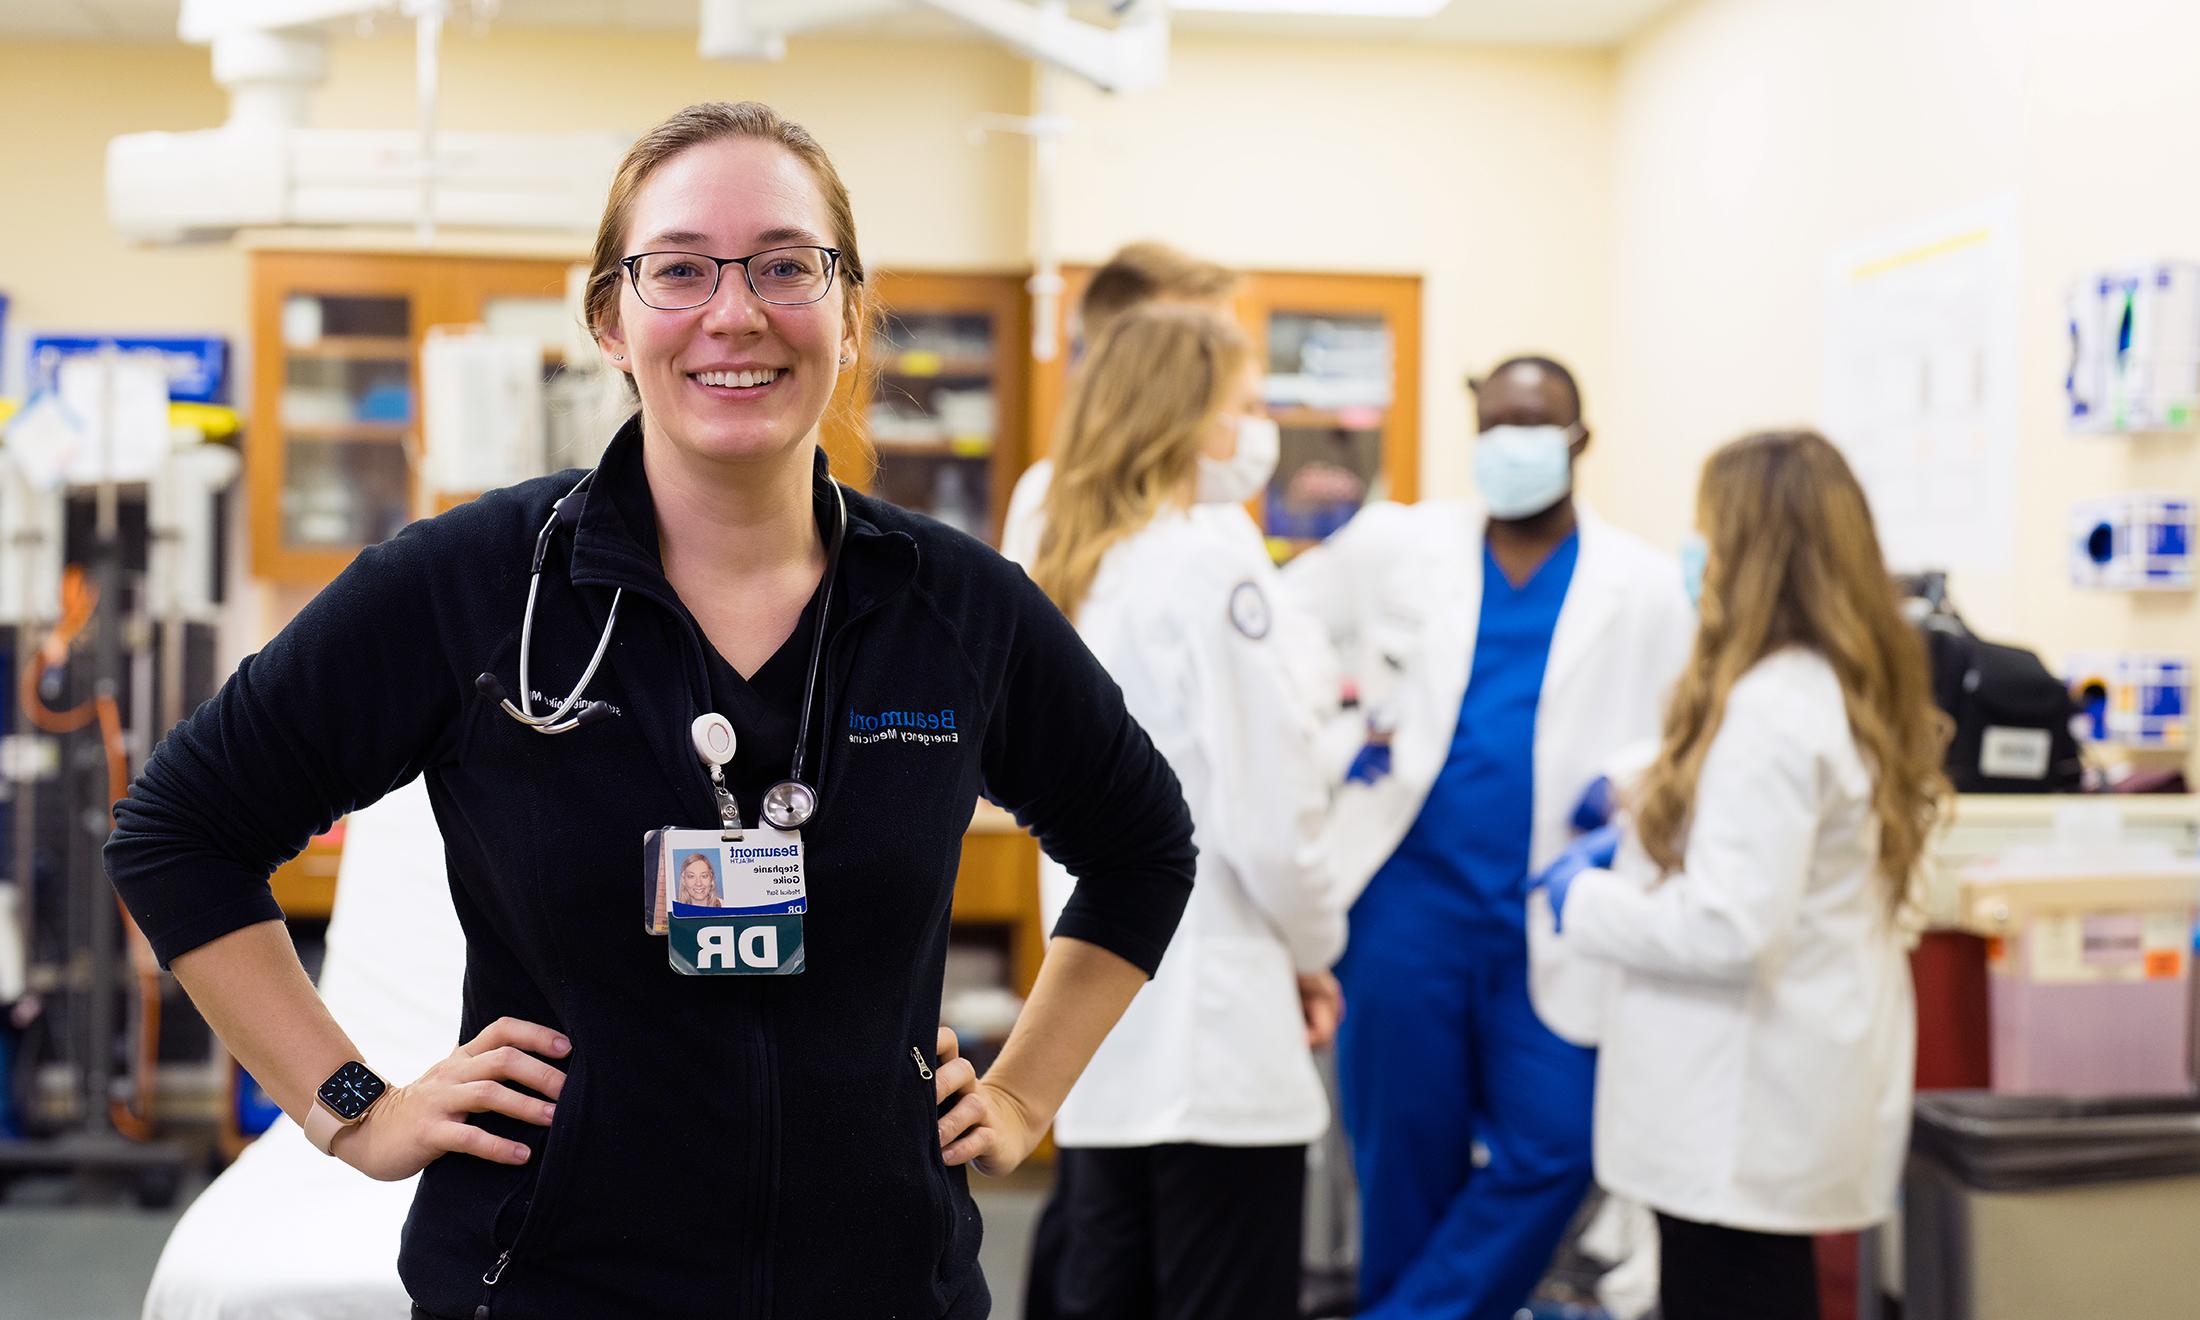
point(1755, 1078)
point(1183, 1146)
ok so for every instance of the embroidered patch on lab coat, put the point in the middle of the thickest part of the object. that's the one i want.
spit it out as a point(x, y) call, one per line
point(1249, 610)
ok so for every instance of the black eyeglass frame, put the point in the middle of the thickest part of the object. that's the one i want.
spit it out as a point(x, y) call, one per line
point(632, 266)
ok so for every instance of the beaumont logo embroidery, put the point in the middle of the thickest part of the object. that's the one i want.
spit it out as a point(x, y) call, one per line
point(907, 726)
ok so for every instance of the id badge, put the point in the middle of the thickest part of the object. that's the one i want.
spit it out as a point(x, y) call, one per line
point(727, 907)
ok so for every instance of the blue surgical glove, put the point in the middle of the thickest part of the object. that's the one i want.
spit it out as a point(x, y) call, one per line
point(1594, 849)
point(1370, 765)
point(1598, 801)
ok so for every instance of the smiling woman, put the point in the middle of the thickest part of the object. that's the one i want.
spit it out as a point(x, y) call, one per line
point(713, 186)
point(825, 1114)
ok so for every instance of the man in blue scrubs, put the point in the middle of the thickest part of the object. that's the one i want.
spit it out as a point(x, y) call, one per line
point(1469, 1120)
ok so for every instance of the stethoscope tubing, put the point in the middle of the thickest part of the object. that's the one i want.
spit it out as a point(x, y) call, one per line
point(562, 720)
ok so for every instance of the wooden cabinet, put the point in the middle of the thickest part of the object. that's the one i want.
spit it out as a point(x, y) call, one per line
point(332, 451)
point(944, 405)
point(1342, 357)
point(305, 886)
point(997, 885)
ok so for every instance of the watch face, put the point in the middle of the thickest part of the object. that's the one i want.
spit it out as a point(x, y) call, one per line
point(350, 1090)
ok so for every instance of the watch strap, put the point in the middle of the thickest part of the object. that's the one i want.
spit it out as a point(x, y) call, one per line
point(322, 1125)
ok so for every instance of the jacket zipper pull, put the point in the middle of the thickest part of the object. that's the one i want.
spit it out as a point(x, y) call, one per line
point(489, 1282)
point(924, 1069)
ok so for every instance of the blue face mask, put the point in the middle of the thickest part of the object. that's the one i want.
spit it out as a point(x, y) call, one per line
point(1523, 470)
point(1695, 554)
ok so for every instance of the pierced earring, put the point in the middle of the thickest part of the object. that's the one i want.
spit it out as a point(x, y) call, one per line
point(618, 357)
point(846, 360)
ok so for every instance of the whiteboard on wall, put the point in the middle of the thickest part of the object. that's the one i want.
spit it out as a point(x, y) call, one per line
point(1921, 384)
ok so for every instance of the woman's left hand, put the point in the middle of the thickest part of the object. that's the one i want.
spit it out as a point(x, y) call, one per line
point(988, 1128)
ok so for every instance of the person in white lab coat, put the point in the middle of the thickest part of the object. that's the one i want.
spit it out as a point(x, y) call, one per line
point(1505, 652)
point(1183, 1146)
point(1755, 1082)
point(1139, 273)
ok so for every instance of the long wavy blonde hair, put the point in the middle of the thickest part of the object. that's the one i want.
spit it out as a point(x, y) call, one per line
point(1129, 440)
point(1795, 561)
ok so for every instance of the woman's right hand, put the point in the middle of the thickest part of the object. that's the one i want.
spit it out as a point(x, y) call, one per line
point(417, 1124)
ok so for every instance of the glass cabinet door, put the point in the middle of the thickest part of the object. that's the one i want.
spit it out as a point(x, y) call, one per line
point(1329, 387)
point(1342, 356)
point(346, 417)
point(935, 416)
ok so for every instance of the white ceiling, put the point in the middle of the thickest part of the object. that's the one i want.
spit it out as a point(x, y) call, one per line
point(1535, 22)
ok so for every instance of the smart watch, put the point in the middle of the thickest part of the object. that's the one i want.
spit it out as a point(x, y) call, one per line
point(343, 1100)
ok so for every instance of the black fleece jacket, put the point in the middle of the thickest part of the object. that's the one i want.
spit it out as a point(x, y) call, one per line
point(728, 1146)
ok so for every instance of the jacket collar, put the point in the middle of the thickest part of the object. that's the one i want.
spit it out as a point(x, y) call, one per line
point(615, 531)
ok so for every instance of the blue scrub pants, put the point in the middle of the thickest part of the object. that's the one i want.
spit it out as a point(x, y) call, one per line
point(1437, 1053)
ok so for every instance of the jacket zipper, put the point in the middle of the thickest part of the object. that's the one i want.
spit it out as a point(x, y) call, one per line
point(489, 1284)
point(945, 1184)
point(494, 1275)
point(729, 817)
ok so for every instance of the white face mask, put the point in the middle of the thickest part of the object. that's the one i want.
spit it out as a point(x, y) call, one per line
point(1243, 475)
point(1523, 470)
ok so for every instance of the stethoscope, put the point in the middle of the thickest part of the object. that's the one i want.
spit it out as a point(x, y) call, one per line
point(788, 804)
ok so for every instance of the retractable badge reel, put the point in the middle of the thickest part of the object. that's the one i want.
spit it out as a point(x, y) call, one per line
point(712, 735)
point(729, 900)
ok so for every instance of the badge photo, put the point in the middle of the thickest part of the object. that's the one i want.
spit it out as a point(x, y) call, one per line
point(697, 889)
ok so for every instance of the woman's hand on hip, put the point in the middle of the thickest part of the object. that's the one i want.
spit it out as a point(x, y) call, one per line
point(417, 1124)
point(989, 1128)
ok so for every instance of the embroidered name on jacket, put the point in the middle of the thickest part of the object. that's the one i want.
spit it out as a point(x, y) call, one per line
point(906, 726)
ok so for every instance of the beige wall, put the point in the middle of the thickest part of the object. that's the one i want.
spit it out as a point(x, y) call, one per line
point(60, 267)
point(1754, 137)
point(895, 124)
point(1486, 172)
point(894, 116)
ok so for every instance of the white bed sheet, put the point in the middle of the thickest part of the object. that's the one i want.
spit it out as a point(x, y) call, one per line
point(286, 1233)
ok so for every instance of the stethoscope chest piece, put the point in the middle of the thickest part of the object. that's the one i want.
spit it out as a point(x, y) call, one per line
point(789, 804)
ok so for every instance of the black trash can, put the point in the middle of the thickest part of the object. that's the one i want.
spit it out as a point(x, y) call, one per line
point(2026, 1207)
